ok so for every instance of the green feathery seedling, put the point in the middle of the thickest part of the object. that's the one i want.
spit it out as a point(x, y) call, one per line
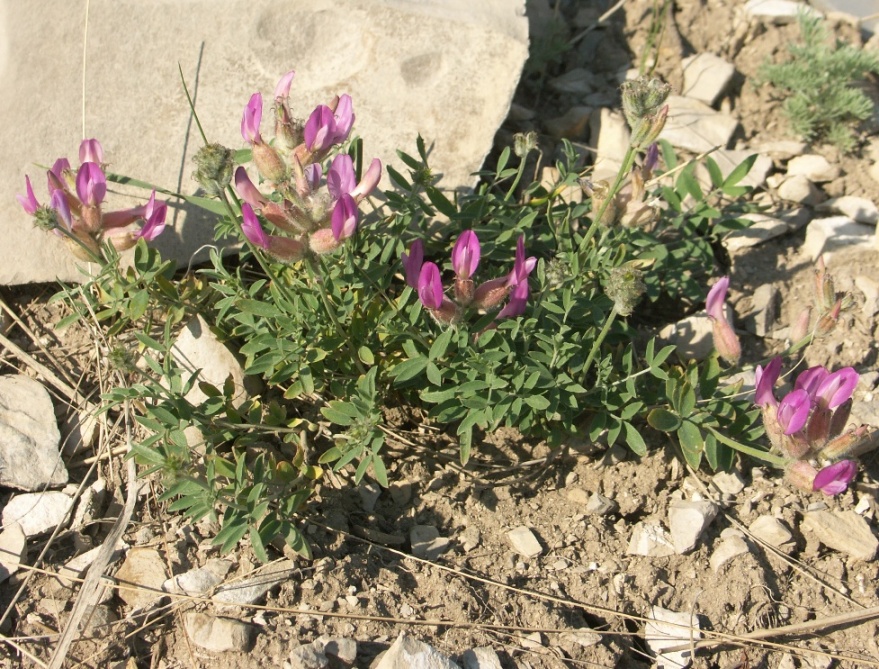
point(823, 101)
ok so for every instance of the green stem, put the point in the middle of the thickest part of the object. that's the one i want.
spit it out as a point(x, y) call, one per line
point(628, 161)
point(598, 342)
point(748, 450)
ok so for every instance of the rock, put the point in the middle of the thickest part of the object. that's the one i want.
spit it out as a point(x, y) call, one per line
point(407, 652)
point(763, 314)
point(345, 650)
point(728, 159)
point(778, 11)
point(578, 81)
point(388, 55)
point(427, 543)
point(599, 505)
point(651, 540)
point(197, 348)
point(814, 167)
point(859, 209)
point(217, 634)
point(199, 582)
point(696, 127)
point(571, 125)
point(524, 542)
point(13, 549)
point(686, 522)
point(37, 512)
point(369, 493)
point(30, 458)
point(610, 135)
point(843, 531)
point(728, 549)
point(481, 658)
point(706, 77)
point(771, 530)
point(693, 336)
point(826, 235)
point(798, 188)
point(765, 227)
point(728, 483)
point(143, 574)
point(666, 629)
point(251, 589)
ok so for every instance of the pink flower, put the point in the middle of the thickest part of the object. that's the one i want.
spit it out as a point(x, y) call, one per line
point(793, 411)
point(91, 151)
point(764, 382)
point(252, 229)
point(251, 119)
point(837, 388)
point(344, 217)
point(466, 255)
point(28, 202)
point(430, 286)
point(91, 184)
point(835, 479)
point(412, 262)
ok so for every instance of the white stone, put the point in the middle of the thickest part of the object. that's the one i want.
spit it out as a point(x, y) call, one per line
point(610, 135)
point(650, 539)
point(217, 634)
point(859, 209)
point(771, 530)
point(843, 531)
point(197, 348)
point(251, 589)
point(729, 548)
point(199, 582)
point(667, 629)
point(814, 167)
point(142, 574)
point(29, 438)
point(524, 542)
point(798, 188)
point(406, 64)
point(687, 520)
point(825, 235)
point(778, 11)
point(481, 658)
point(37, 512)
point(13, 549)
point(706, 77)
point(407, 652)
point(696, 127)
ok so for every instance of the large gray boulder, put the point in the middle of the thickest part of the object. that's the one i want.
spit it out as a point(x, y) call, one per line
point(446, 69)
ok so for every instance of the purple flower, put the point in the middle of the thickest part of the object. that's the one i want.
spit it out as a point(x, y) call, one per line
point(837, 388)
point(466, 254)
point(412, 262)
point(282, 90)
point(28, 202)
point(810, 379)
point(245, 188)
point(430, 286)
point(154, 219)
point(793, 411)
point(91, 184)
point(716, 298)
point(764, 382)
point(518, 302)
point(341, 179)
point(91, 151)
point(58, 202)
point(251, 119)
point(252, 229)
point(835, 479)
point(344, 217)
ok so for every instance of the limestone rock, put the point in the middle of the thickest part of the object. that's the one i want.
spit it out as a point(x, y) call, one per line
point(825, 235)
point(251, 589)
point(706, 77)
point(651, 540)
point(37, 512)
point(29, 438)
point(13, 549)
point(217, 634)
point(771, 530)
point(143, 574)
point(427, 543)
point(844, 531)
point(814, 167)
point(859, 209)
point(407, 652)
point(524, 542)
point(687, 520)
point(421, 56)
point(666, 629)
point(696, 127)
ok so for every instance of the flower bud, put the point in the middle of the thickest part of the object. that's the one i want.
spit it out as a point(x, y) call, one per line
point(625, 286)
point(214, 163)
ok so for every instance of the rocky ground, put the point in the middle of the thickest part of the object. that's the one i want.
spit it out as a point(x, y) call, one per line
point(528, 558)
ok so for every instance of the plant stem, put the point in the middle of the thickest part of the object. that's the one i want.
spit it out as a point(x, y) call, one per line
point(748, 450)
point(598, 342)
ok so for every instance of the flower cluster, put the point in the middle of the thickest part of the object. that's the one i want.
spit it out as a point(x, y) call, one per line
point(807, 424)
point(75, 209)
point(313, 216)
point(425, 277)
